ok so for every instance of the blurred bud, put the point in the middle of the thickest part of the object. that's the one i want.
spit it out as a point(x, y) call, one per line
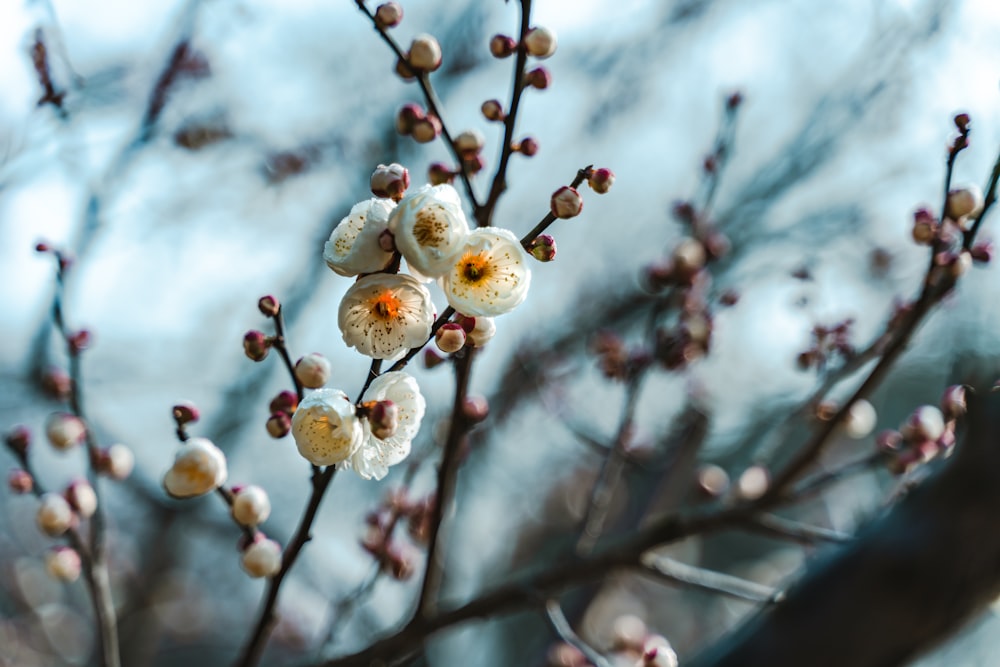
point(387, 241)
point(475, 408)
point(390, 181)
point(526, 147)
point(251, 506)
point(717, 245)
point(278, 424)
point(399, 563)
point(18, 440)
point(63, 563)
point(439, 174)
point(43, 246)
point(425, 53)
point(54, 516)
point(539, 78)
point(450, 337)
point(57, 383)
point(262, 558)
point(473, 163)
point(889, 441)
point(199, 468)
point(493, 110)
point(64, 430)
point(482, 331)
point(962, 121)
point(20, 481)
point(383, 419)
point(502, 46)
point(960, 264)
point(566, 202)
point(407, 117)
point(953, 403)
point(470, 142)
point(404, 71)
point(562, 654)
point(729, 298)
point(712, 480)
point(540, 42)
point(432, 359)
point(79, 341)
point(688, 257)
point(543, 248)
point(389, 15)
point(186, 413)
point(925, 226)
point(117, 462)
point(628, 633)
point(982, 251)
point(860, 420)
point(734, 100)
point(256, 345)
point(601, 180)
point(313, 370)
point(658, 653)
point(268, 306)
point(964, 202)
point(286, 401)
point(426, 129)
point(926, 423)
point(81, 497)
point(753, 483)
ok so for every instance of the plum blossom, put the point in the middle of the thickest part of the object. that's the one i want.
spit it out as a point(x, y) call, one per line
point(490, 275)
point(199, 468)
point(354, 245)
point(429, 227)
point(382, 315)
point(325, 427)
point(373, 458)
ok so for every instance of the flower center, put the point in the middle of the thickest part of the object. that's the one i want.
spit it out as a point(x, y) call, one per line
point(430, 226)
point(474, 268)
point(385, 306)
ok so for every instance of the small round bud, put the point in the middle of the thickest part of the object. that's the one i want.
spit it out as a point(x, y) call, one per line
point(313, 370)
point(601, 180)
point(54, 516)
point(889, 441)
point(729, 298)
point(199, 468)
point(57, 383)
point(256, 345)
point(278, 424)
point(689, 257)
point(964, 202)
point(19, 439)
point(712, 480)
point(982, 252)
point(962, 121)
point(658, 653)
point(79, 341)
point(493, 110)
point(473, 163)
point(403, 69)
point(20, 481)
point(960, 264)
point(543, 248)
point(390, 181)
point(399, 563)
point(540, 42)
point(450, 337)
point(268, 306)
point(383, 419)
point(475, 408)
point(527, 147)
point(63, 563)
point(628, 633)
point(861, 419)
point(562, 654)
point(432, 359)
point(389, 15)
point(470, 142)
point(753, 483)
point(439, 174)
point(426, 129)
point(43, 246)
point(64, 430)
point(407, 117)
point(117, 462)
point(502, 46)
point(262, 558)
point(387, 241)
point(539, 78)
point(953, 403)
point(482, 331)
point(425, 53)
point(566, 202)
point(286, 401)
point(251, 506)
point(81, 497)
point(926, 423)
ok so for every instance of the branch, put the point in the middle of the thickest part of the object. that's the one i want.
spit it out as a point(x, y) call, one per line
point(674, 572)
point(777, 526)
point(559, 623)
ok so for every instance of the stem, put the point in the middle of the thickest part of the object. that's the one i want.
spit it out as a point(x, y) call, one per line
point(280, 345)
point(581, 176)
point(674, 572)
point(559, 623)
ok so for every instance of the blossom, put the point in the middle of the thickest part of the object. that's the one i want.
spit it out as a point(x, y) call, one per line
point(55, 516)
point(251, 506)
point(354, 245)
point(199, 468)
point(325, 428)
point(383, 314)
point(262, 558)
point(373, 458)
point(490, 275)
point(430, 227)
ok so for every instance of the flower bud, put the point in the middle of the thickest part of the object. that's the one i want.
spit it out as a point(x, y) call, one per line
point(262, 558)
point(925, 226)
point(566, 202)
point(753, 483)
point(926, 423)
point(964, 202)
point(475, 408)
point(403, 69)
point(57, 383)
point(54, 516)
point(256, 345)
point(450, 337)
point(628, 633)
point(81, 497)
point(962, 121)
point(861, 419)
point(426, 129)
point(199, 468)
point(407, 117)
point(982, 251)
point(20, 481)
point(470, 142)
point(473, 163)
point(117, 462)
point(286, 401)
point(432, 359)
point(689, 257)
point(18, 439)
point(313, 370)
point(425, 53)
point(712, 480)
point(439, 174)
point(79, 341)
point(543, 248)
point(268, 306)
point(601, 180)
point(502, 46)
point(658, 653)
point(527, 147)
point(63, 563)
point(953, 403)
point(279, 424)
point(493, 110)
point(383, 419)
point(539, 78)
point(389, 15)
point(251, 506)
point(540, 42)
point(399, 563)
point(186, 413)
point(482, 331)
point(960, 264)
point(64, 430)
point(889, 441)
point(390, 181)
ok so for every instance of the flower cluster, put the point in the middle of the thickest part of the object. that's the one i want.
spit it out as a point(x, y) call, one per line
point(928, 433)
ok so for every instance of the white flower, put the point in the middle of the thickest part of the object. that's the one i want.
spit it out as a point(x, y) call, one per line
point(262, 558)
point(199, 468)
point(482, 331)
point(54, 516)
point(430, 227)
point(325, 429)
point(383, 314)
point(354, 245)
point(490, 275)
point(251, 506)
point(373, 458)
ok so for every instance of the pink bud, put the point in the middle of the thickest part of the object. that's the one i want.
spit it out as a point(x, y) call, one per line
point(63, 563)
point(753, 483)
point(57, 383)
point(383, 419)
point(601, 180)
point(425, 53)
point(469, 142)
point(953, 403)
point(540, 42)
point(502, 46)
point(268, 306)
point(256, 345)
point(79, 341)
point(712, 480)
point(389, 15)
point(450, 337)
point(982, 251)
point(387, 241)
point(426, 129)
point(407, 117)
point(18, 439)
point(539, 78)
point(117, 462)
point(439, 174)
point(278, 424)
point(390, 181)
point(286, 401)
point(527, 147)
point(20, 481)
point(64, 430)
point(566, 202)
point(404, 70)
point(493, 110)
point(186, 413)
point(81, 497)
point(543, 248)
point(475, 408)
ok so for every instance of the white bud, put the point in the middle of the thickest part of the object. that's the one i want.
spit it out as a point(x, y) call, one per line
point(199, 468)
point(753, 483)
point(540, 42)
point(64, 430)
point(251, 506)
point(262, 558)
point(657, 653)
point(425, 53)
point(120, 461)
point(313, 370)
point(483, 331)
point(926, 423)
point(81, 497)
point(861, 419)
point(689, 256)
point(54, 516)
point(964, 203)
point(63, 563)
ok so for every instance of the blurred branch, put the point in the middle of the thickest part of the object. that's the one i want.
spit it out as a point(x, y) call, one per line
point(559, 623)
point(772, 524)
point(674, 572)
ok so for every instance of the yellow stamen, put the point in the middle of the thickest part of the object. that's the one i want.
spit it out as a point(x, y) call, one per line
point(474, 268)
point(385, 305)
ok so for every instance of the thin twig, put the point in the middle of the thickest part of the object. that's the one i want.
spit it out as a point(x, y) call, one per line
point(559, 623)
point(778, 526)
point(681, 574)
point(543, 224)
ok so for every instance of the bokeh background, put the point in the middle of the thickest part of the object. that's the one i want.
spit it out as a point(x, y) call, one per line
point(268, 136)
